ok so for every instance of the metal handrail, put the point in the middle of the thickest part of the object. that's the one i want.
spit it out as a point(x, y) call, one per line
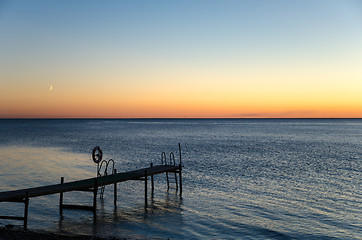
point(105, 173)
point(163, 156)
point(172, 159)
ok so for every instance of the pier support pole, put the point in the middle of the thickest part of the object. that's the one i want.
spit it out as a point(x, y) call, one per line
point(176, 181)
point(26, 202)
point(115, 189)
point(61, 199)
point(168, 182)
point(145, 188)
point(95, 190)
point(152, 182)
point(180, 168)
point(180, 175)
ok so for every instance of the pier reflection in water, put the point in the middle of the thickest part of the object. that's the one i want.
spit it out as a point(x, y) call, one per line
point(133, 221)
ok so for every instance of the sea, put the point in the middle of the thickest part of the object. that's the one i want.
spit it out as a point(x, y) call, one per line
point(241, 178)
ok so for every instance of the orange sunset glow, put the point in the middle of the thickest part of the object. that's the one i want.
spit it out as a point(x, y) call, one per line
point(181, 60)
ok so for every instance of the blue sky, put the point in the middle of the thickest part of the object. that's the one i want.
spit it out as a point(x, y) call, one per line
point(182, 28)
point(180, 42)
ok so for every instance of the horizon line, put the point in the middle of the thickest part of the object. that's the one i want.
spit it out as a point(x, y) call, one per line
point(171, 118)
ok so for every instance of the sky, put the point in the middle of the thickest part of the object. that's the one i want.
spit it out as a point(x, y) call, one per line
point(181, 59)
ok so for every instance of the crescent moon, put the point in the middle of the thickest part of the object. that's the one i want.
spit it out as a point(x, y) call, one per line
point(50, 88)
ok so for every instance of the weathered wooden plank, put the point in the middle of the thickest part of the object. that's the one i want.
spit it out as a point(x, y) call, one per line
point(19, 195)
point(12, 217)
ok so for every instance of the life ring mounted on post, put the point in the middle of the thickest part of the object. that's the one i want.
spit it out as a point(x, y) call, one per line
point(97, 154)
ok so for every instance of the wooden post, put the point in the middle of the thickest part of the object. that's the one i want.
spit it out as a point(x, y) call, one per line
point(179, 150)
point(115, 190)
point(61, 198)
point(176, 181)
point(180, 169)
point(95, 190)
point(145, 188)
point(26, 202)
point(152, 182)
point(168, 182)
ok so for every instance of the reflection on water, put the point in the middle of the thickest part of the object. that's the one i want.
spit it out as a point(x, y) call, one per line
point(135, 222)
point(243, 179)
point(23, 166)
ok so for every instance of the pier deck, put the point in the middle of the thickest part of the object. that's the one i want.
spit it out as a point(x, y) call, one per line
point(19, 195)
point(90, 184)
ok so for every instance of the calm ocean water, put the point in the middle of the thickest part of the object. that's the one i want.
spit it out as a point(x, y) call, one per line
point(242, 178)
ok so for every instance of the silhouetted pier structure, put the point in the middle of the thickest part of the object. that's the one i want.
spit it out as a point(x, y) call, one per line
point(93, 185)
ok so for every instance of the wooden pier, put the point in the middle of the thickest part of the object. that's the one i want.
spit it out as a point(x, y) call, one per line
point(92, 185)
